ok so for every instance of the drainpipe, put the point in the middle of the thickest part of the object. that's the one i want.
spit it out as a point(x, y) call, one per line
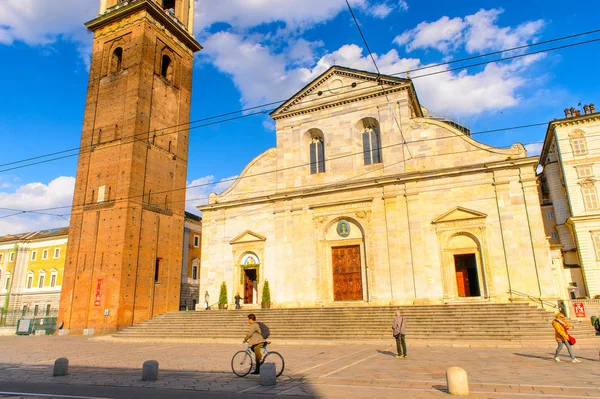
point(502, 234)
point(537, 273)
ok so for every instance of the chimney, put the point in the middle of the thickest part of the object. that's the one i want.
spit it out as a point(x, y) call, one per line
point(577, 113)
point(592, 109)
point(586, 109)
point(567, 113)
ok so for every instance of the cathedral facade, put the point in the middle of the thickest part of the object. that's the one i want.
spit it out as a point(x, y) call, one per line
point(368, 199)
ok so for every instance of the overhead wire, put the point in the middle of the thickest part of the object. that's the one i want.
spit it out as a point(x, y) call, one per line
point(146, 133)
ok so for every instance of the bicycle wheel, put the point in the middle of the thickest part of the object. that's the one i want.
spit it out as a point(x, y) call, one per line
point(274, 357)
point(241, 363)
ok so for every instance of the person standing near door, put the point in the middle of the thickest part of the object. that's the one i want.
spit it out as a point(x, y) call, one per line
point(399, 330)
point(206, 300)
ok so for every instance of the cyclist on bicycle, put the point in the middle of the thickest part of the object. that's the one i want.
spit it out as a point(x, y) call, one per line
point(255, 340)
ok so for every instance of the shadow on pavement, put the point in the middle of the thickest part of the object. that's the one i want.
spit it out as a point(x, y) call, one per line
point(386, 353)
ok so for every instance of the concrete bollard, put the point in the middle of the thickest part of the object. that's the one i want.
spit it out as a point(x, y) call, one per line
point(456, 379)
point(61, 367)
point(267, 374)
point(150, 370)
point(63, 332)
point(88, 331)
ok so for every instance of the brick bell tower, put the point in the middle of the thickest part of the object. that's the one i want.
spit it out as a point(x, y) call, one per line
point(123, 261)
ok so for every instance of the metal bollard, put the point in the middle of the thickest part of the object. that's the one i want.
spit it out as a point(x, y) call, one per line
point(61, 367)
point(150, 370)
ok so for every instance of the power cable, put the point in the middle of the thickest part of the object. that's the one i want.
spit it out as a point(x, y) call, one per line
point(306, 101)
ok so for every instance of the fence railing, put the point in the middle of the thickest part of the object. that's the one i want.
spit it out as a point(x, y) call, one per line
point(533, 299)
point(11, 318)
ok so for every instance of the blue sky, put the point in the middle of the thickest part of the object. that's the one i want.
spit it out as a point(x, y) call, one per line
point(258, 51)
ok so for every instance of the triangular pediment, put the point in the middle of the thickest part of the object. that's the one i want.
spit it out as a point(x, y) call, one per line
point(247, 236)
point(339, 85)
point(459, 213)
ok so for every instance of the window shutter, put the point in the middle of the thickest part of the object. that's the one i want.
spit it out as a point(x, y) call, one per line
point(366, 148)
point(321, 153)
point(313, 158)
point(375, 146)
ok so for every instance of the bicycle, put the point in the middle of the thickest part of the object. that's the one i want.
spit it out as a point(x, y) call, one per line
point(243, 361)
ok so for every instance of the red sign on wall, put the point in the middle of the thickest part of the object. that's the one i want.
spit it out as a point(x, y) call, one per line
point(579, 308)
point(98, 292)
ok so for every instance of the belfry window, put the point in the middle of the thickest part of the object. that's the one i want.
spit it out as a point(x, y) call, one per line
point(166, 68)
point(371, 147)
point(317, 154)
point(168, 4)
point(116, 63)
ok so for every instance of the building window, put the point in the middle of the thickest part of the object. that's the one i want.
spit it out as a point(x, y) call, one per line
point(48, 307)
point(196, 241)
point(550, 215)
point(41, 280)
point(116, 63)
point(166, 68)
point(12, 256)
point(30, 280)
point(317, 154)
point(33, 255)
point(24, 310)
point(596, 240)
point(36, 308)
point(7, 285)
point(194, 272)
point(157, 270)
point(56, 253)
point(578, 143)
point(554, 235)
point(590, 195)
point(45, 254)
point(1, 257)
point(168, 4)
point(53, 279)
point(585, 171)
point(371, 146)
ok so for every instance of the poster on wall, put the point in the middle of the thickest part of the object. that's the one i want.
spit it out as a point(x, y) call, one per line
point(579, 308)
point(98, 296)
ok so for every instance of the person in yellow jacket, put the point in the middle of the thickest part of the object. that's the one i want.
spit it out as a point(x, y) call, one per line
point(561, 324)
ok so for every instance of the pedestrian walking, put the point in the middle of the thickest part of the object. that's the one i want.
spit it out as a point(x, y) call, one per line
point(399, 330)
point(237, 298)
point(206, 300)
point(561, 334)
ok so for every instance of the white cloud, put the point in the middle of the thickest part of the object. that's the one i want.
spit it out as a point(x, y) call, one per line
point(249, 13)
point(478, 32)
point(42, 23)
point(199, 189)
point(534, 149)
point(31, 196)
point(444, 35)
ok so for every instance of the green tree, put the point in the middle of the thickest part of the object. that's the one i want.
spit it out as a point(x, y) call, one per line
point(266, 293)
point(223, 294)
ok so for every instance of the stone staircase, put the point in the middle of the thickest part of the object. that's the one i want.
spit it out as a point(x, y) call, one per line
point(466, 322)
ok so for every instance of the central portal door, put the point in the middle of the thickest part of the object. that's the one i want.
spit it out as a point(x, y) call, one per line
point(347, 274)
point(249, 283)
point(467, 279)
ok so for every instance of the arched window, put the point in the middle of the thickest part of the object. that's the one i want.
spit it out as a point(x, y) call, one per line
point(590, 195)
point(317, 152)
point(168, 4)
point(116, 62)
point(578, 143)
point(166, 68)
point(371, 146)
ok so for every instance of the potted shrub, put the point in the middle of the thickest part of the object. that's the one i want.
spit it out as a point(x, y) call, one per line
point(266, 296)
point(223, 296)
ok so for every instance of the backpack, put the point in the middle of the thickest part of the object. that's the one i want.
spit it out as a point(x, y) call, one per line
point(264, 330)
point(597, 325)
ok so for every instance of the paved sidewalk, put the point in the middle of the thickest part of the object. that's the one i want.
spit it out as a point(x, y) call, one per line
point(311, 371)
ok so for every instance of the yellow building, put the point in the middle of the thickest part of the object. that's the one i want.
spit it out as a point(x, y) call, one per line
point(571, 206)
point(190, 267)
point(31, 272)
